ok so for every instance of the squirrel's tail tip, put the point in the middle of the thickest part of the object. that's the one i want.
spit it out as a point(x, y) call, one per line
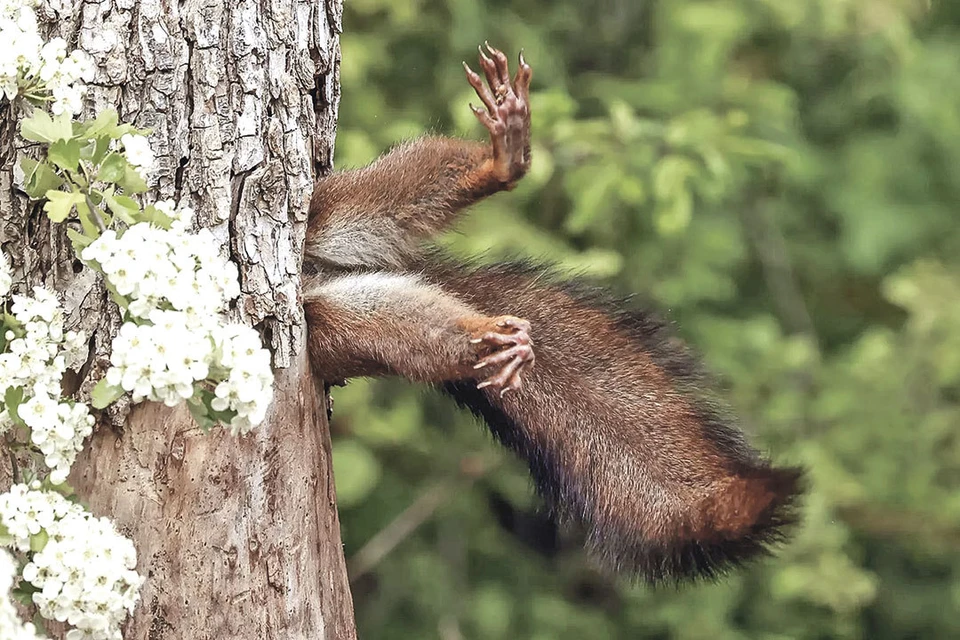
point(739, 523)
point(761, 504)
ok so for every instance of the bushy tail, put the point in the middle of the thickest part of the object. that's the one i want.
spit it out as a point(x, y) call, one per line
point(620, 433)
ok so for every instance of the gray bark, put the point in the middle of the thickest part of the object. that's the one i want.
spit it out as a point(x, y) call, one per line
point(238, 537)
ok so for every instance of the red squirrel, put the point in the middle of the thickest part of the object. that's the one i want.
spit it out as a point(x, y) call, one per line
point(608, 410)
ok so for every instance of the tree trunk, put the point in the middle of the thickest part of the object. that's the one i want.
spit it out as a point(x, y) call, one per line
point(238, 537)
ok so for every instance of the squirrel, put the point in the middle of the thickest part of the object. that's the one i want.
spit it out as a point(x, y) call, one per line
point(608, 410)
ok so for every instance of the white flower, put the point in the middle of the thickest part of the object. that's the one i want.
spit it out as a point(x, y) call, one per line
point(155, 268)
point(67, 98)
point(35, 363)
point(74, 348)
point(25, 513)
point(85, 573)
point(138, 152)
point(177, 286)
point(248, 386)
point(11, 627)
point(39, 412)
point(160, 362)
point(42, 70)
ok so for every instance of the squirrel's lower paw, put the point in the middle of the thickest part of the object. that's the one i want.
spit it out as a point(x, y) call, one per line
point(505, 349)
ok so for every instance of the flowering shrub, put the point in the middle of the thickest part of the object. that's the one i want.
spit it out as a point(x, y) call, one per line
point(79, 569)
point(175, 344)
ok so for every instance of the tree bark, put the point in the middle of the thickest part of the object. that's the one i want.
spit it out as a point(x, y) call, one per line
point(238, 537)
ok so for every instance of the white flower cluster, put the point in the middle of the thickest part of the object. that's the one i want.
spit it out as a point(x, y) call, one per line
point(37, 69)
point(155, 268)
point(138, 152)
point(58, 429)
point(35, 362)
point(85, 573)
point(178, 286)
point(248, 387)
point(11, 627)
point(160, 361)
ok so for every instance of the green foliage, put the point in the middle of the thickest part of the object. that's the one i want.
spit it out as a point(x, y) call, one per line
point(99, 180)
point(201, 406)
point(41, 127)
point(782, 177)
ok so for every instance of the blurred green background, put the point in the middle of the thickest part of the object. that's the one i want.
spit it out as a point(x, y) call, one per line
point(782, 177)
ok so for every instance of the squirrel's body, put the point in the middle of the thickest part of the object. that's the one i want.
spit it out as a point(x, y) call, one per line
point(619, 436)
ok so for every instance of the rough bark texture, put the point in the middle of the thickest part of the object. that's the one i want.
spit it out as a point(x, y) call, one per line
point(238, 537)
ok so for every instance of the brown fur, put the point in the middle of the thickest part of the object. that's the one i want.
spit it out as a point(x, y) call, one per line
point(614, 420)
point(619, 432)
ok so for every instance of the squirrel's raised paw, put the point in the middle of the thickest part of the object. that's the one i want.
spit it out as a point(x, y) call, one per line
point(507, 113)
point(506, 351)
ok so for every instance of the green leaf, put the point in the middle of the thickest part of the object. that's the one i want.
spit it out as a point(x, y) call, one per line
point(673, 216)
point(670, 176)
point(154, 216)
point(65, 154)
point(121, 302)
point(39, 540)
point(40, 127)
point(12, 398)
point(60, 203)
point(5, 538)
point(592, 198)
point(357, 471)
point(101, 147)
point(64, 488)
point(40, 624)
point(132, 181)
point(113, 168)
point(10, 322)
point(223, 417)
point(124, 207)
point(28, 165)
point(38, 178)
point(90, 227)
point(200, 412)
point(105, 124)
point(23, 593)
point(79, 240)
point(104, 394)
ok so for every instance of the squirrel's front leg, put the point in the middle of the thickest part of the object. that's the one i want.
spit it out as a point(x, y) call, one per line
point(378, 216)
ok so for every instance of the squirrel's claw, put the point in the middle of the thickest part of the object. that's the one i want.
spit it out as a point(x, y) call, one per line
point(521, 84)
point(512, 353)
point(483, 92)
point(500, 63)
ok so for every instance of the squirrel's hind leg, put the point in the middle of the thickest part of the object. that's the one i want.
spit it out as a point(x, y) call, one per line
point(381, 323)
